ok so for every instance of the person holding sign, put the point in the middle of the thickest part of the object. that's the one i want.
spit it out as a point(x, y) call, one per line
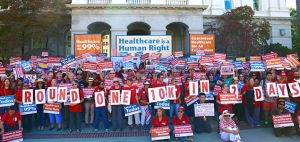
point(228, 129)
point(202, 123)
point(190, 108)
point(11, 120)
point(117, 110)
point(76, 108)
point(174, 104)
point(6, 89)
point(26, 119)
point(41, 120)
point(144, 105)
point(101, 111)
point(280, 109)
point(133, 100)
point(181, 119)
point(222, 107)
point(251, 107)
point(160, 119)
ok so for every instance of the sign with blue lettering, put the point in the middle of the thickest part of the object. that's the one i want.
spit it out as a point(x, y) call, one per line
point(290, 106)
point(238, 65)
point(128, 65)
point(191, 60)
point(118, 62)
point(132, 109)
point(7, 100)
point(139, 54)
point(147, 44)
point(257, 66)
point(159, 68)
point(26, 66)
point(103, 55)
point(123, 54)
point(163, 104)
point(27, 109)
point(163, 60)
point(68, 61)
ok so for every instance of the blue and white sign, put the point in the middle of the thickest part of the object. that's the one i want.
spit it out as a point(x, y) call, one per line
point(163, 60)
point(257, 66)
point(128, 65)
point(159, 68)
point(163, 104)
point(123, 54)
point(26, 66)
point(191, 60)
point(290, 106)
point(118, 62)
point(103, 55)
point(139, 54)
point(7, 101)
point(27, 109)
point(68, 61)
point(132, 109)
point(147, 44)
point(238, 65)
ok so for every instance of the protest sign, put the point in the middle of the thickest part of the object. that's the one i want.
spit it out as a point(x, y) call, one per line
point(290, 106)
point(100, 99)
point(125, 97)
point(75, 96)
point(54, 61)
point(160, 133)
point(238, 65)
point(233, 88)
point(7, 100)
point(51, 94)
point(190, 100)
point(108, 83)
point(282, 91)
point(204, 109)
point(193, 88)
point(27, 109)
point(282, 120)
point(207, 60)
point(258, 95)
point(44, 54)
point(219, 57)
point(89, 66)
point(209, 96)
point(178, 54)
point(273, 63)
point(145, 56)
point(183, 130)
point(68, 60)
point(40, 97)
point(86, 55)
point(171, 92)
point(257, 66)
point(87, 43)
point(272, 89)
point(157, 94)
point(163, 104)
point(295, 89)
point(12, 136)
point(205, 42)
point(115, 97)
point(27, 96)
point(127, 58)
point(228, 98)
point(52, 108)
point(88, 92)
point(204, 86)
point(15, 60)
point(62, 94)
point(227, 70)
point(132, 109)
point(255, 59)
point(293, 60)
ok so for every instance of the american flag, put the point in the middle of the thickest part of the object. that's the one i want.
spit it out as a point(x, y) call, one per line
point(174, 62)
point(170, 58)
point(18, 71)
point(148, 115)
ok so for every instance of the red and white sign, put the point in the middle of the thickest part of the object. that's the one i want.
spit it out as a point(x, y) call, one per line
point(160, 133)
point(183, 130)
point(193, 88)
point(272, 89)
point(283, 120)
point(88, 92)
point(125, 97)
point(293, 60)
point(282, 91)
point(105, 66)
point(193, 65)
point(100, 59)
point(2, 70)
point(228, 98)
point(99, 99)
point(171, 92)
point(13, 136)
point(27, 96)
point(127, 58)
point(207, 60)
point(179, 54)
point(51, 94)
point(15, 60)
point(44, 54)
point(75, 96)
point(89, 66)
point(255, 58)
point(204, 86)
point(181, 63)
point(115, 97)
point(258, 95)
point(190, 100)
point(86, 55)
point(62, 94)
point(40, 97)
point(145, 56)
point(157, 94)
point(233, 88)
point(295, 89)
point(227, 70)
point(54, 61)
point(219, 57)
point(273, 63)
point(52, 108)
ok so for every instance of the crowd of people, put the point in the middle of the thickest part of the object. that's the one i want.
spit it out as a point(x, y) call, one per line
point(138, 80)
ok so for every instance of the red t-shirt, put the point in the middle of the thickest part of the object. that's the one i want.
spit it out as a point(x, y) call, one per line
point(156, 123)
point(244, 89)
point(178, 92)
point(11, 121)
point(133, 90)
point(105, 93)
point(18, 96)
point(143, 95)
point(7, 92)
point(183, 121)
point(78, 107)
point(186, 91)
point(156, 84)
point(221, 107)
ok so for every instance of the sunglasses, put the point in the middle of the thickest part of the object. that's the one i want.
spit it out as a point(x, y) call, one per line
point(226, 115)
point(116, 81)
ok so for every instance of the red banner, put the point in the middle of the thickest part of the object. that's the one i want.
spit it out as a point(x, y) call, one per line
point(193, 65)
point(52, 108)
point(89, 66)
point(144, 57)
point(282, 120)
point(190, 100)
point(183, 130)
point(219, 57)
point(16, 135)
point(160, 133)
point(255, 58)
point(228, 98)
point(2, 70)
point(179, 54)
point(105, 65)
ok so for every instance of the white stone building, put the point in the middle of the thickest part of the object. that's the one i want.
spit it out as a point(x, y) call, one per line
point(178, 18)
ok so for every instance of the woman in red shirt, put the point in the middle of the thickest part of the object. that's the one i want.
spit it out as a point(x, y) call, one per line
point(252, 107)
point(190, 108)
point(18, 84)
point(101, 111)
point(160, 119)
point(181, 119)
point(7, 89)
point(222, 107)
point(76, 109)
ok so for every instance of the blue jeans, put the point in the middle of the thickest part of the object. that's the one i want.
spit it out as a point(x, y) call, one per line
point(173, 108)
point(56, 117)
point(101, 112)
point(255, 119)
point(8, 129)
point(40, 115)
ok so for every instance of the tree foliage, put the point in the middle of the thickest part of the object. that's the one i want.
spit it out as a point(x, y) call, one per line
point(294, 30)
point(238, 33)
point(24, 19)
point(279, 49)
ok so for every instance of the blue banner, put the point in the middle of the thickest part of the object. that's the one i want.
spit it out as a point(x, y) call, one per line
point(238, 65)
point(7, 101)
point(290, 106)
point(189, 60)
point(257, 66)
point(27, 109)
point(123, 54)
point(132, 109)
point(163, 104)
point(68, 61)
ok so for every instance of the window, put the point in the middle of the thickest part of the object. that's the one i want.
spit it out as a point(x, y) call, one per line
point(68, 44)
point(227, 4)
point(255, 5)
point(106, 42)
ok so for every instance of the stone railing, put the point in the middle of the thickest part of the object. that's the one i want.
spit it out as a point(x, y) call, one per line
point(99, 1)
point(177, 2)
point(140, 2)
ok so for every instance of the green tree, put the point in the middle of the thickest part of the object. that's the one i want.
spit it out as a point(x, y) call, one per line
point(279, 49)
point(294, 30)
point(238, 33)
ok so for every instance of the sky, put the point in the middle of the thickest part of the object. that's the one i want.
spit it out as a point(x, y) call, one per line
point(291, 3)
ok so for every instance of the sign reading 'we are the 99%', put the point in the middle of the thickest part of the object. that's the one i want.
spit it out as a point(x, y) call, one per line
point(147, 44)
